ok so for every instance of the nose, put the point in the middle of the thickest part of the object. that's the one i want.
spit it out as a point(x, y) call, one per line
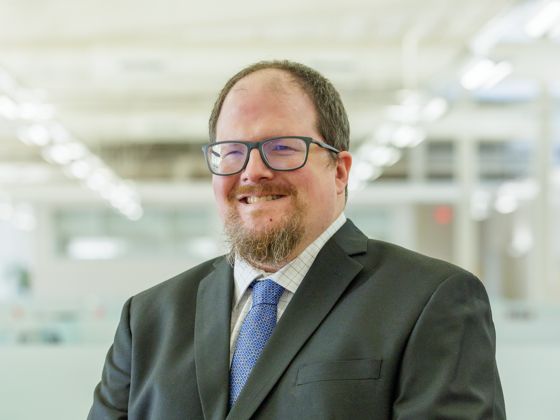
point(256, 170)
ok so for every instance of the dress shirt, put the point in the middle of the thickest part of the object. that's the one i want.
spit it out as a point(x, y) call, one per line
point(289, 277)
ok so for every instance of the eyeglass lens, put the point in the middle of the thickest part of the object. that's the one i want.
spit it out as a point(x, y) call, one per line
point(281, 154)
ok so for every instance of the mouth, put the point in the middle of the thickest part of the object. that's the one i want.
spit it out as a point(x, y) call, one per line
point(253, 199)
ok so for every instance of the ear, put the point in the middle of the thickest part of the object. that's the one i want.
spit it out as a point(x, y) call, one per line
point(343, 166)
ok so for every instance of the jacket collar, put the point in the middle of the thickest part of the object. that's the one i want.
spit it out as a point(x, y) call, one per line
point(211, 339)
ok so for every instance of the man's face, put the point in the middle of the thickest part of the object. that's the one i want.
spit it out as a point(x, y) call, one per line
point(260, 203)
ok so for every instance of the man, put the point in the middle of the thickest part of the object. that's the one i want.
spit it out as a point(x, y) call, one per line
point(306, 318)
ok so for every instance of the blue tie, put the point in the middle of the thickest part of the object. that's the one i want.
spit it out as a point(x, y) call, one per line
point(255, 331)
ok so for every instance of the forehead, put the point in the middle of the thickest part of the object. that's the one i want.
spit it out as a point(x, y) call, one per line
point(270, 80)
point(265, 94)
point(267, 85)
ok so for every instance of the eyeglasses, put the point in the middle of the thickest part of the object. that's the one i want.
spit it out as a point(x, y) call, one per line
point(278, 153)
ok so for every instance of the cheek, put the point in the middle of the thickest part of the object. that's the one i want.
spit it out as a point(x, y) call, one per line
point(320, 186)
point(221, 187)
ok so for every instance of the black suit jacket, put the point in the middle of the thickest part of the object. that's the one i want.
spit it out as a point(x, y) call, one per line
point(374, 332)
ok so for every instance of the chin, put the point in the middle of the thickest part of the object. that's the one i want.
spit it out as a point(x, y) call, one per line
point(262, 224)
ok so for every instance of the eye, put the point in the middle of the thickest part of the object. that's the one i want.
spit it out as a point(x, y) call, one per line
point(282, 148)
point(232, 151)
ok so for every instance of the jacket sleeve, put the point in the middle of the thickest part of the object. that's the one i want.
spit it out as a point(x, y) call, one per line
point(110, 398)
point(449, 367)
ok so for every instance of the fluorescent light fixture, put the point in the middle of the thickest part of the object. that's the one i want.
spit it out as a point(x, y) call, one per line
point(95, 248)
point(134, 213)
point(500, 72)
point(80, 168)
point(59, 134)
point(34, 135)
point(8, 108)
point(522, 240)
point(408, 136)
point(485, 73)
point(480, 205)
point(355, 184)
point(546, 18)
point(384, 133)
point(380, 155)
point(64, 153)
point(434, 109)
point(58, 146)
point(506, 203)
point(415, 107)
point(365, 170)
point(99, 179)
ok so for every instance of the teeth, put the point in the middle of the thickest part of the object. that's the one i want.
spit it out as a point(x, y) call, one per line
point(253, 199)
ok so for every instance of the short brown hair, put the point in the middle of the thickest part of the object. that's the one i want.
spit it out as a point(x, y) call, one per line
point(332, 121)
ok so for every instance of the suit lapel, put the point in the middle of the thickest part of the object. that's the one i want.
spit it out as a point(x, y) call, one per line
point(328, 277)
point(211, 337)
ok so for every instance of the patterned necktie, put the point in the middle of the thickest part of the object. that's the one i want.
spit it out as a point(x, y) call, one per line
point(255, 331)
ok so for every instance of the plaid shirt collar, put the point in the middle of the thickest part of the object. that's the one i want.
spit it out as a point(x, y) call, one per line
point(289, 276)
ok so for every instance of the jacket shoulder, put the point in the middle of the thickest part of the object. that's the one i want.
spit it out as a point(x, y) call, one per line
point(412, 270)
point(412, 260)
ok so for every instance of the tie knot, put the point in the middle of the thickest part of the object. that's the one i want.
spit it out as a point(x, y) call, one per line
point(267, 292)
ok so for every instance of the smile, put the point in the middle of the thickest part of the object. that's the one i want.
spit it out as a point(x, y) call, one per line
point(256, 199)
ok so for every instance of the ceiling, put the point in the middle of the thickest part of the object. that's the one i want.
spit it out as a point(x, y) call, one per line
point(134, 81)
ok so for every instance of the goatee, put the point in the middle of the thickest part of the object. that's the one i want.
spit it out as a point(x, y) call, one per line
point(268, 247)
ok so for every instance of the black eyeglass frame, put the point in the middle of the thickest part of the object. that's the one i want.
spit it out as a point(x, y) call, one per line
point(259, 145)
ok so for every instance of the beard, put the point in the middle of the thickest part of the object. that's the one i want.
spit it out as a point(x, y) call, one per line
point(272, 245)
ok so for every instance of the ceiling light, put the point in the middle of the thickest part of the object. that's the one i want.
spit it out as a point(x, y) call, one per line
point(415, 107)
point(434, 109)
point(484, 73)
point(356, 184)
point(546, 18)
point(408, 136)
point(384, 133)
point(95, 248)
point(365, 171)
point(34, 135)
point(500, 72)
point(64, 153)
point(80, 168)
point(522, 240)
point(99, 179)
point(506, 203)
point(379, 155)
point(8, 108)
point(480, 205)
point(134, 212)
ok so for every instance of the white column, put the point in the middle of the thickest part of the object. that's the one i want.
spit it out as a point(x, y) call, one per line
point(541, 282)
point(418, 158)
point(465, 228)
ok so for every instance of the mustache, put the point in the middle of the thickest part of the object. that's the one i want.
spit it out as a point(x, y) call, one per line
point(263, 189)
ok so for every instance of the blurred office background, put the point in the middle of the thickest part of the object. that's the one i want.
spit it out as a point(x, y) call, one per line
point(455, 116)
